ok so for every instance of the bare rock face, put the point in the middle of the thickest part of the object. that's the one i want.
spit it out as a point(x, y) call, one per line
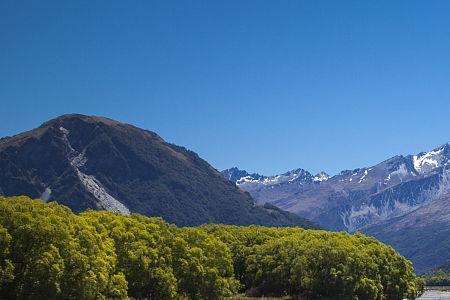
point(88, 162)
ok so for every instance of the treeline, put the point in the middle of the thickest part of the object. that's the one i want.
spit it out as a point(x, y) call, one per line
point(437, 279)
point(439, 276)
point(47, 252)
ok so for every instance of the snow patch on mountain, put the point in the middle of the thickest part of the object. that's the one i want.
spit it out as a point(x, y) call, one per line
point(428, 161)
point(322, 176)
point(246, 179)
point(358, 216)
point(271, 180)
point(363, 177)
point(92, 184)
point(298, 175)
point(359, 197)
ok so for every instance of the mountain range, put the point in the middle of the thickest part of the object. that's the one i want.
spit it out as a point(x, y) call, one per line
point(404, 201)
point(88, 162)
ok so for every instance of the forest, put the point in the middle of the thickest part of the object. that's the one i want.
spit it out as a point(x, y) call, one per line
point(48, 252)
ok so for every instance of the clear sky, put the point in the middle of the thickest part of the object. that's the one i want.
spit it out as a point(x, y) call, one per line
point(264, 85)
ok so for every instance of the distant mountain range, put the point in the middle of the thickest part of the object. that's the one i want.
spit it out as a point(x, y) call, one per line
point(88, 162)
point(403, 201)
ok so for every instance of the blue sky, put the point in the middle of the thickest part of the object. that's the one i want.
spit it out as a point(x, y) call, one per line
point(264, 85)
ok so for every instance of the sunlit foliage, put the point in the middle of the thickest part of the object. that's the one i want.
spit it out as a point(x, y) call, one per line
point(47, 252)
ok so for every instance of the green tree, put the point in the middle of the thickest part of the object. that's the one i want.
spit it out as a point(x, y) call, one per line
point(6, 267)
point(203, 265)
point(143, 251)
point(47, 252)
point(54, 254)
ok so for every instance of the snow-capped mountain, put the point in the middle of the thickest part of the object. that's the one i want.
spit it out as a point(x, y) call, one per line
point(428, 161)
point(321, 176)
point(362, 198)
point(357, 197)
point(235, 175)
point(300, 176)
point(267, 188)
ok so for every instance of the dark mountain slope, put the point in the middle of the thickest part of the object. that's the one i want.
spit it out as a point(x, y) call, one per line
point(423, 235)
point(93, 162)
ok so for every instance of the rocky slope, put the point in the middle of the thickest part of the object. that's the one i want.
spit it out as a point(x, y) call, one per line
point(422, 235)
point(92, 162)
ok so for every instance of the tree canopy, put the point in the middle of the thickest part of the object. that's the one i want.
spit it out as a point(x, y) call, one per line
point(48, 252)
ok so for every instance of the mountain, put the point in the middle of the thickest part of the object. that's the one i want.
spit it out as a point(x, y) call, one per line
point(400, 200)
point(353, 199)
point(88, 162)
point(422, 235)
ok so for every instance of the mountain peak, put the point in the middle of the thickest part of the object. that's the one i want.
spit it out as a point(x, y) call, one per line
point(235, 174)
point(321, 176)
point(91, 162)
point(250, 181)
point(84, 118)
point(428, 161)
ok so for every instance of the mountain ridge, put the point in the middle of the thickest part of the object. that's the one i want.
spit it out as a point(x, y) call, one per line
point(379, 200)
point(94, 162)
point(372, 180)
